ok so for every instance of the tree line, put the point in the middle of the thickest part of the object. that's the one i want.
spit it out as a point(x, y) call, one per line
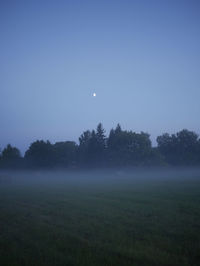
point(120, 148)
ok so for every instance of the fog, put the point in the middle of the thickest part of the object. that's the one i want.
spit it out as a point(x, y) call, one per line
point(97, 177)
point(86, 217)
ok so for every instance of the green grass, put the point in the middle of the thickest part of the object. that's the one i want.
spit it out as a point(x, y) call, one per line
point(96, 219)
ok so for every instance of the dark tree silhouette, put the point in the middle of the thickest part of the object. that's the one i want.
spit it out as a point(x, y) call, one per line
point(127, 147)
point(121, 148)
point(101, 138)
point(182, 148)
point(92, 146)
point(40, 154)
point(11, 157)
point(83, 149)
point(65, 154)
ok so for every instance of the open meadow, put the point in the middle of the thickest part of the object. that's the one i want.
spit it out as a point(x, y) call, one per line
point(105, 217)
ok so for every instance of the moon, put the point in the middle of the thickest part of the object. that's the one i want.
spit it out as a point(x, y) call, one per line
point(94, 94)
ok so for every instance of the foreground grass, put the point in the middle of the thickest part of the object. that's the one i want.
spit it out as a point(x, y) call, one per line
point(97, 219)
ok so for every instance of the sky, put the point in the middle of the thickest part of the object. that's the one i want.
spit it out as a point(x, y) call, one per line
point(140, 57)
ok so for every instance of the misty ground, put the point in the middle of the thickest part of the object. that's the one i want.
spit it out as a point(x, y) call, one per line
point(105, 217)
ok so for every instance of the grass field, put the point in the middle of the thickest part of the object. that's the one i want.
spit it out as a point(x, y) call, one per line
point(100, 218)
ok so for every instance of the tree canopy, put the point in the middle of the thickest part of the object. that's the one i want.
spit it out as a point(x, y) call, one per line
point(120, 148)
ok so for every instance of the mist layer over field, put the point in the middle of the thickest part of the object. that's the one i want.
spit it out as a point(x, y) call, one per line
point(100, 217)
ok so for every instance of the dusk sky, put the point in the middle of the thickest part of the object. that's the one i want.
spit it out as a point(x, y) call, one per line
point(141, 58)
